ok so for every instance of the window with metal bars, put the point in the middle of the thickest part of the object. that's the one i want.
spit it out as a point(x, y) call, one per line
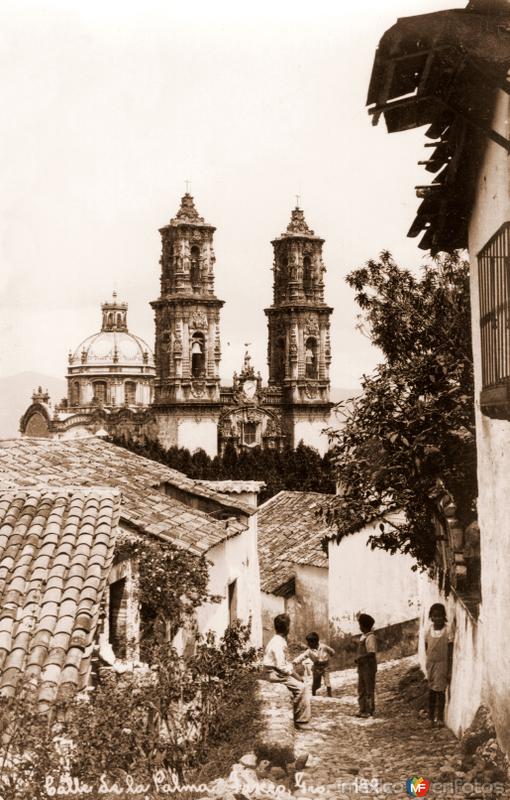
point(494, 288)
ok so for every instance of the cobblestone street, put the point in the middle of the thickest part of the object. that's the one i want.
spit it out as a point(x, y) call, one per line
point(353, 757)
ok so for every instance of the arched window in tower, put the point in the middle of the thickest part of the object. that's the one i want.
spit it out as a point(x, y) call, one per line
point(130, 393)
point(99, 392)
point(311, 358)
point(119, 320)
point(307, 275)
point(197, 355)
point(75, 394)
point(195, 267)
point(279, 359)
point(110, 319)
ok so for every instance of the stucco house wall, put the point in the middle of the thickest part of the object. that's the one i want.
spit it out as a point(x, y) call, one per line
point(491, 210)
point(466, 689)
point(370, 581)
point(235, 559)
point(311, 602)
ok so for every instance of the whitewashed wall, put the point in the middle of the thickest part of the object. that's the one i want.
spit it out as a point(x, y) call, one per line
point(370, 581)
point(271, 606)
point(466, 688)
point(234, 559)
point(195, 433)
point(491, 210)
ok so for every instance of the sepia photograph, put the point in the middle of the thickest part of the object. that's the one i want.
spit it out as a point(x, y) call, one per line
point(255, 400)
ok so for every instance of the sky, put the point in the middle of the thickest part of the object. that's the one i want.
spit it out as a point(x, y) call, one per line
point(109, 107)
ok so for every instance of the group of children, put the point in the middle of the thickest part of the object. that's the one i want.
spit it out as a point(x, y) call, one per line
point(315, 660)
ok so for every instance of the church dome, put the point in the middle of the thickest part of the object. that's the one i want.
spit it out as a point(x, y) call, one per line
point(114, 345)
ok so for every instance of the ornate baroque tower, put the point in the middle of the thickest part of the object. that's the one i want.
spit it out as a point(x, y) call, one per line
point(187, 352)
point(299, 348)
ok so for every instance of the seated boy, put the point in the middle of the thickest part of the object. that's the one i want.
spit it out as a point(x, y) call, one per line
point(278, 669)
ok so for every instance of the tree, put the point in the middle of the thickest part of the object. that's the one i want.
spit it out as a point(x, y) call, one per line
point(414, 420)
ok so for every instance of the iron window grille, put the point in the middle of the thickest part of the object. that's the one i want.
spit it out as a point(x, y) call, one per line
point(494, 288)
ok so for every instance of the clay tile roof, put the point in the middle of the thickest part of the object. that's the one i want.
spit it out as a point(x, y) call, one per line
point(37, 632)
point(290, 533)
point(233, 487)
point(146, 504)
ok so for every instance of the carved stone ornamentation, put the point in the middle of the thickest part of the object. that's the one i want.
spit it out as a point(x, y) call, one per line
point(293, 348)
point(311, 391)
point(199, 321)
point(311, 326)
point(197, 389)
point(298, 223)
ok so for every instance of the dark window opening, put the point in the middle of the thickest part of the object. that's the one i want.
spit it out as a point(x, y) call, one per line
point(130, 393)
point(311, 358)
point(100, 391)
point(279, 370)
point(195, 267)
point(249, 432)
point(75, 395)
point(118, 618)
point(232, 602)
point(197, 355)
point(307, 275)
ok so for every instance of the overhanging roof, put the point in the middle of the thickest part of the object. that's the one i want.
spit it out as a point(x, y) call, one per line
point(443, 70)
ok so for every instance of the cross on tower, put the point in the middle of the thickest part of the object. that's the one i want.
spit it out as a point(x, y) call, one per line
point(298, 200)
point(188, 186)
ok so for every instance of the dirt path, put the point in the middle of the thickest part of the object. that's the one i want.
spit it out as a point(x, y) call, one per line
point(352, 757)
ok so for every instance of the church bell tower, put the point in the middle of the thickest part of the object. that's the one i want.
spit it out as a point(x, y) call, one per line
point(299, 348)
point(187, 350)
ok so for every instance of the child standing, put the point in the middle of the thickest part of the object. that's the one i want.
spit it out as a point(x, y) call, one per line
point(439, 651)
point(318, 653)
point(367, 666)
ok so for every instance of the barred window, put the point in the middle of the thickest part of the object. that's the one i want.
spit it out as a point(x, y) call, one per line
point(494, 285)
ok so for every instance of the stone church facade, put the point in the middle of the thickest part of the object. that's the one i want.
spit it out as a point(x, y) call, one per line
point(177, 395)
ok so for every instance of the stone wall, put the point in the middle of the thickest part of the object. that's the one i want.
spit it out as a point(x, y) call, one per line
point(275, 724)
point(393, 641)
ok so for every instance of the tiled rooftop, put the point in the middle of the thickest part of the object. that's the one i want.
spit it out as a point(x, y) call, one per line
point(91, 462)
point(290, 532)
point(56, 549)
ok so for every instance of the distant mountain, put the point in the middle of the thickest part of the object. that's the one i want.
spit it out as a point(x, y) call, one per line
point(16, 395)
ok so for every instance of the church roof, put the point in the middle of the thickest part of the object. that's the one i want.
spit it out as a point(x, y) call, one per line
point(290, 533)
point(145, 506)
point(56, 549)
